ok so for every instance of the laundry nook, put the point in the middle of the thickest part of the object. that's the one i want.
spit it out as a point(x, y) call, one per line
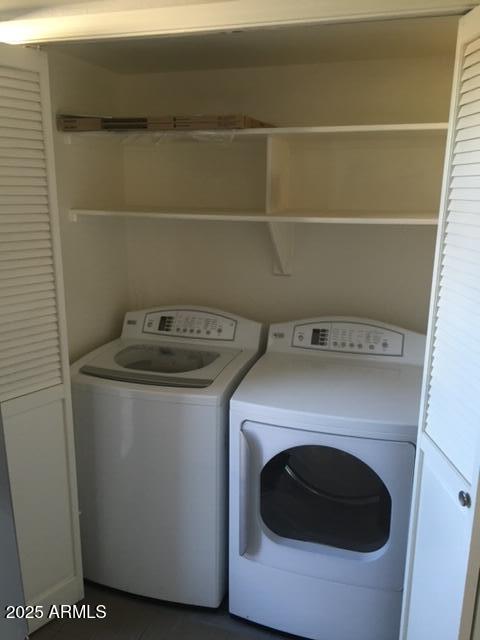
point(239, 352)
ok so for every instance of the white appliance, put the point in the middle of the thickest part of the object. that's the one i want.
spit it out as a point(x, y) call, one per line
point(151, 416)
point(322, 448)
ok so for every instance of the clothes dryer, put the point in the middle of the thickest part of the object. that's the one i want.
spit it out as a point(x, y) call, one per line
point(151, 426)
point(322, 449)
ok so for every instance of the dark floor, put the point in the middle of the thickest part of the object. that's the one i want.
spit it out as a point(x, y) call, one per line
point(132, 618)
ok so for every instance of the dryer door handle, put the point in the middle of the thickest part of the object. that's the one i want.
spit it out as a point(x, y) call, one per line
point(243, 491)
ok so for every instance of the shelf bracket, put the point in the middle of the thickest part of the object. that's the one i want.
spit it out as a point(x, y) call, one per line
point(282, 237)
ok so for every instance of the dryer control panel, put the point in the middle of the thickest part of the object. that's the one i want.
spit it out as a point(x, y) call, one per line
point(190, 323)
point(349, 337)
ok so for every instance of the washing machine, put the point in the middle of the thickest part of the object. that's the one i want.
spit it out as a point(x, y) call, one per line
point(322, 448)
point(151, 430)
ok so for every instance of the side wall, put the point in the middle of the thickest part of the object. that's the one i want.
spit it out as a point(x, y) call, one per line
point(94, 251)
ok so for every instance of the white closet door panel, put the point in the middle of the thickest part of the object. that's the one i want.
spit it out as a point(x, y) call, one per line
point(444, 556)
point(34, 370)
point(437, 592)
point(36, 441)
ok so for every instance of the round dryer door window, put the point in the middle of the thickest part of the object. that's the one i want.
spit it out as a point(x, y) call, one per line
point(327, 496)
point(164, 359)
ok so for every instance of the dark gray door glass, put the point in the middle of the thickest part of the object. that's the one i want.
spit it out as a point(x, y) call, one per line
point(327, 496)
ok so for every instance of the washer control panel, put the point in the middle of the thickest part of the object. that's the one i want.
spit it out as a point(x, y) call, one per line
point(190, 324)
point(349, 337)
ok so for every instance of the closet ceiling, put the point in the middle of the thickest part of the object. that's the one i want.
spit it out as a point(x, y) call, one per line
point(407, 38)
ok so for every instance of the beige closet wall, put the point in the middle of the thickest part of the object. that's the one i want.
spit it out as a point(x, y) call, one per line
point(94, 251)
point(382, 272)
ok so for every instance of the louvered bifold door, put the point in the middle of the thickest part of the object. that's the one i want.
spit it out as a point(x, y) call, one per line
point(29, 332)
point(35, 402)
point(444, 547)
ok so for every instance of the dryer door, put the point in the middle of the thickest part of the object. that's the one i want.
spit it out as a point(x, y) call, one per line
point(324, 505)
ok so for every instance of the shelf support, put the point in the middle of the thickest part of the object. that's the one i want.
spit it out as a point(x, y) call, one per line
point(282, 237)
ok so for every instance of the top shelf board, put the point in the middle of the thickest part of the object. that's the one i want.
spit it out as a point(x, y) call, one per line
point(230, 134)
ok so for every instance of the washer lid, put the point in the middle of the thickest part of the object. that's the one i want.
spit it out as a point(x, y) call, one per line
point(162, 364)
point(340, 388)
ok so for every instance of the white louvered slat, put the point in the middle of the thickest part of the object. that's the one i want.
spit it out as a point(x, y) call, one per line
point(470, 71)
point(28, 97)
point(26, 163)
point(10, 156)
point(17, 143)
point(13, 268)
point(25, 281)
point(18, 74)
point(467, 145)
point(471, 58)
point(29, 332)
point(468, 133)
point(463, 206)
point(24, 360)
point(469, 96)
point(15, 125)
point(20, 84)
point(28, 325)
point(24, 370)
point(31, 335)
point(21, 131)
point(469, 121)
point(472, 47)
point(468, 182)
point(466, 158)
point(21, 115)
point(37, 173)
point(474, 80)
point(458, 170)
point(27, 182)
point(466, 110)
